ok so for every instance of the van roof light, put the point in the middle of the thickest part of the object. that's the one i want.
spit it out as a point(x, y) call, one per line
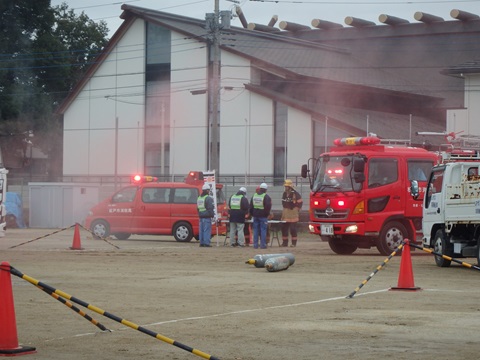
point(139, 179)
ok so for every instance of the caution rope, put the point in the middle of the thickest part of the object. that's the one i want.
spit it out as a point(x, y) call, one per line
point(56, 232)
point(41, 237)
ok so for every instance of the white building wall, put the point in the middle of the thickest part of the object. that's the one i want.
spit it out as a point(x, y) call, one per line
point(260, 135)
point(466, 121)
point(472, 103)
point(235, 110)
point(299, 140)
point(188, 113)
point(115, 91)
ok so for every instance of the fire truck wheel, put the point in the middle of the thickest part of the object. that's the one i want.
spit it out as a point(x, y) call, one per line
point(391, 236)
point(341, 247)
point(183, 232)
point(122, 236)
point(441, 246)
point(100, 229)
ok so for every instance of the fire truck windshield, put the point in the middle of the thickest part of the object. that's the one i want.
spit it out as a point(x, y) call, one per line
point(334, 173)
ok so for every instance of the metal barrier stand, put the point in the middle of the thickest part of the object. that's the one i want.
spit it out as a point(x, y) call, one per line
point(274, 229)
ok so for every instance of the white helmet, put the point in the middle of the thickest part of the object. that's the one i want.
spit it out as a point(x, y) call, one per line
point(243, 189)
point(206, 187)
point(263, 186)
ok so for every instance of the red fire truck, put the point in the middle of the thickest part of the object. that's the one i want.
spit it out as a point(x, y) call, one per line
point(360, 194)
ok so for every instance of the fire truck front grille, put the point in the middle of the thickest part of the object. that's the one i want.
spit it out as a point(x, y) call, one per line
point(337, 214)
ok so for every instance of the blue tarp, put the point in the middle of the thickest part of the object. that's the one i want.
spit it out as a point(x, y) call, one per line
point(13, 203)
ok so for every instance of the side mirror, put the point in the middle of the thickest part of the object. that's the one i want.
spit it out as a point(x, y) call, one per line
point(304, 171)
point(414, 191)
point(359, 178)
point(359, 165)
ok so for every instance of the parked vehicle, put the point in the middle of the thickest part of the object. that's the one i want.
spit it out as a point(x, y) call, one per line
point(153, 208)
point(3, 191)
point(360, 194)
point(451, 209)
point(14, 214)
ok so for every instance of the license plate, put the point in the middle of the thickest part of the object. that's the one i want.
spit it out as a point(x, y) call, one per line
point(326, 229)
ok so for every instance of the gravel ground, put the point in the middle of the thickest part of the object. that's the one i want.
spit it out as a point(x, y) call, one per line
point(210, 300)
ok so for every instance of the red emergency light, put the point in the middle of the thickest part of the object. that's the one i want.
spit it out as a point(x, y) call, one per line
point(353, 141)
point(139, 179)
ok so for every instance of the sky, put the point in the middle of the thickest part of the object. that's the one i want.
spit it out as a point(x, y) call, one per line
point(261, 11)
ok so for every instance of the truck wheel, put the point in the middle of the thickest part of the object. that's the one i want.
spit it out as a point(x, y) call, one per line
point(183, 232)
point(441, 246)
point(391, 236)
point(122, 236)
point(100, 229)
point(341, 247)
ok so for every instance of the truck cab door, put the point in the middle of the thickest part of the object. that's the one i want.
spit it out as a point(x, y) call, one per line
point(419, 170)
point(384, 195)
point(433, 205)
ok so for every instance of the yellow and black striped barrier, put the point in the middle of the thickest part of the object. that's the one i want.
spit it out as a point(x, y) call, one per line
point(125, 322)
point(430, 251)
point(74, 308)
point(380, 267)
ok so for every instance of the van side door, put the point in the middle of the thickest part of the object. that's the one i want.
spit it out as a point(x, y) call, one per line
point(184, 207)
point(152, 214)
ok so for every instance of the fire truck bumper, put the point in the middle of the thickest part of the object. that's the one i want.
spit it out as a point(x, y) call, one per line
point(332, 229)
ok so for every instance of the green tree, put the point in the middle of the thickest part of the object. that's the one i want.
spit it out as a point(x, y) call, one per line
point(45, 51)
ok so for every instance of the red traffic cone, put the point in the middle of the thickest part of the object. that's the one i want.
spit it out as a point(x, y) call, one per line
point(8, 327)
point(405, 277)
point(76, 239)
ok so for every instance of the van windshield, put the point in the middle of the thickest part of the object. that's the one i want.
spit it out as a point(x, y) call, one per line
point(125, 195)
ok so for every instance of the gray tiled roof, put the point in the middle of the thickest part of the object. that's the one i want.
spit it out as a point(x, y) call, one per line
point(405, 58)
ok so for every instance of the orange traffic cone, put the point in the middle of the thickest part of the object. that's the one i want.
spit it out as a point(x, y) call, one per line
point(8, 327)
point(76, 239)
point(405, 278)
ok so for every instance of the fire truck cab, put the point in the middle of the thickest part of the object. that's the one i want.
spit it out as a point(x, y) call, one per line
point(360, 194)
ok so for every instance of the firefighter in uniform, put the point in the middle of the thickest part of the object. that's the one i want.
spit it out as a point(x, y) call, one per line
point(292, 203)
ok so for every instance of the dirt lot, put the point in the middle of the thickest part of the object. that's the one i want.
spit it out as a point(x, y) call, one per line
point(210, 300)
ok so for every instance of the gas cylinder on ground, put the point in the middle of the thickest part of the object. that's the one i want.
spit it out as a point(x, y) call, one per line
point(259, 260)
point(277, 263)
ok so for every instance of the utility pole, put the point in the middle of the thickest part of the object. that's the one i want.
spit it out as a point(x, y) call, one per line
point(214, 94)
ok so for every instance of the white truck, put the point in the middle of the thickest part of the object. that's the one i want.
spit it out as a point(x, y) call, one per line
point(3, 195)
point(451, 207)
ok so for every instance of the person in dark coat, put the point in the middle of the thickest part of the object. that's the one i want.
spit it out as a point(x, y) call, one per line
point(260, 207)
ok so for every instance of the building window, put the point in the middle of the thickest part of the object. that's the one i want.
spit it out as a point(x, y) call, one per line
point(157, 101)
